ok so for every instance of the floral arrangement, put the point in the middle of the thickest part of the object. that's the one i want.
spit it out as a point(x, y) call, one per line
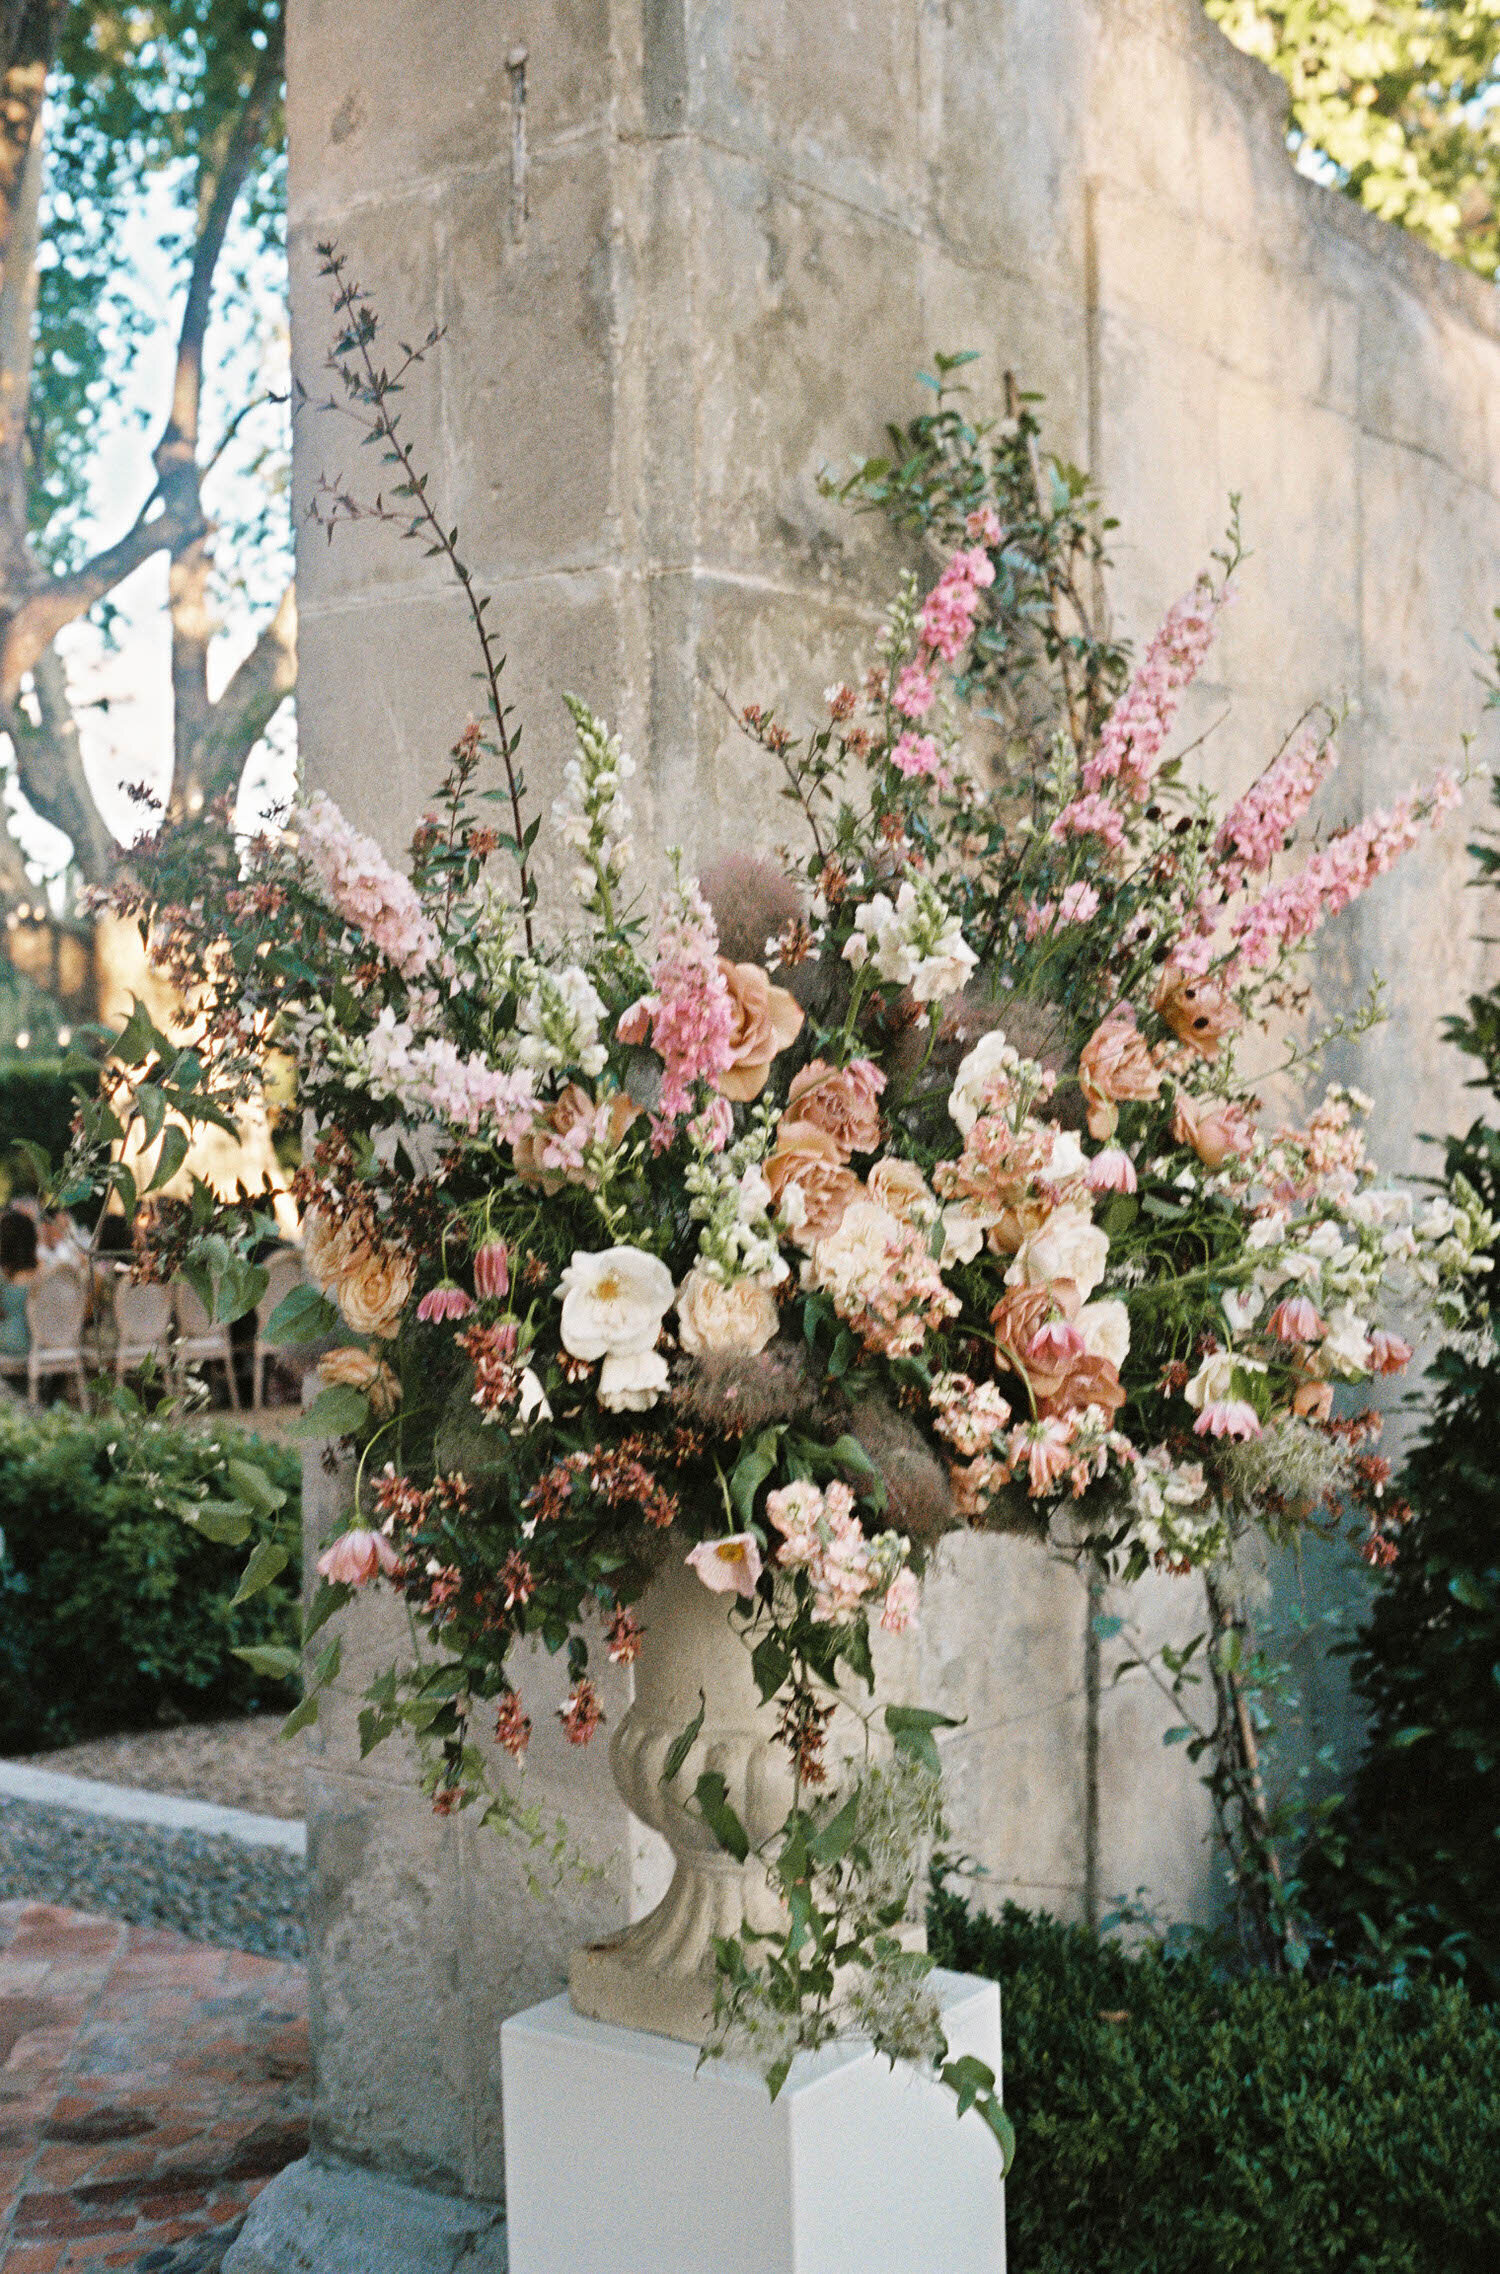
point(786, 1216)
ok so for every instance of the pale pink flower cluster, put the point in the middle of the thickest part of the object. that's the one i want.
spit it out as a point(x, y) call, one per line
point(1067, 1449)
point(916, 754)
point(914, 691)
point(947, 616)
point(973, 1416)
point(363, 888)
point(1091, 816)
point(691, 1013)
point(820, 1535)
point(1131, 744)
point(432, 1077)
point(883, 1278)
point(1078, 903)
point(1261, 825)
point(1347, 866)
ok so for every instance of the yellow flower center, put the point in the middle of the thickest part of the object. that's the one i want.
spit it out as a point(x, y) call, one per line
point(730, 1551)
point(607, 1289)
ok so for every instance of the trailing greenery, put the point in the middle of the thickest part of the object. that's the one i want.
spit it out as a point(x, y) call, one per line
point(115, 1612)
point(1171, 2120)
point(1392, 100)
point(1407, 1874)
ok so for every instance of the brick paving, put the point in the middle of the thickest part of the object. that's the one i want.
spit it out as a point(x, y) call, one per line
point(149, 2087)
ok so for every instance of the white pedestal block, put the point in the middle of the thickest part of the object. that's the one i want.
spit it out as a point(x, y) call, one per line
point(622, 2157)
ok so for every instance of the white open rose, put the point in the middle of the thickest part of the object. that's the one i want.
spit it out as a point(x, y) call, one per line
point(631, 1381)
point(713, 1316)
point(1068, 1246)
point(1105, 1327)
point(990, 1056)
point(613, 1302)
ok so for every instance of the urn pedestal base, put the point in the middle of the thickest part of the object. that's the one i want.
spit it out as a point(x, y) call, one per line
point(623, 2157)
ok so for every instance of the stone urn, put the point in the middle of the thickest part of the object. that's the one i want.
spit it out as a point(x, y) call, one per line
point(658, 1974)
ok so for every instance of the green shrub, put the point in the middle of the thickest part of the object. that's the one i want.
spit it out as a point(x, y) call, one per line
point(1173, 2121)
point(114, 1614)
point(37, 1102)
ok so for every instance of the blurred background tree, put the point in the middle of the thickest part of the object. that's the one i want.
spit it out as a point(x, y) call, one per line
point(1397, 102)
point(142, 414)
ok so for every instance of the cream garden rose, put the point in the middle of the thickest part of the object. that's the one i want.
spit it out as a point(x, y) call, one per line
point(715, 1315)
point(373, 1287)
point(1068, 1246)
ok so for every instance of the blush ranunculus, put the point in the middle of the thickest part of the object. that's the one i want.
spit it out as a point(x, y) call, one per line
point(1115, 1064)
point(1217, 1130)
point(810, 1183)
point(843, 1100)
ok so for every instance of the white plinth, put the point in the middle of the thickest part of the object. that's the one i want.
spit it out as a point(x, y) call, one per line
point(620, 2159)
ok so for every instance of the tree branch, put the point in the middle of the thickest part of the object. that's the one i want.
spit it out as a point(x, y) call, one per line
point(242, 713)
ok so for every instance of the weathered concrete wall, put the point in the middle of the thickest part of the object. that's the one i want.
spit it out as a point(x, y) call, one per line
point(737, 230)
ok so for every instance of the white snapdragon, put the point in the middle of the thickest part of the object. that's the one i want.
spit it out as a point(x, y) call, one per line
point(916, 941)
point(592, 816)
point(558, 1021)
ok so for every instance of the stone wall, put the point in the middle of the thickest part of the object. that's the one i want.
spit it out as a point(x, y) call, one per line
point(685, 252)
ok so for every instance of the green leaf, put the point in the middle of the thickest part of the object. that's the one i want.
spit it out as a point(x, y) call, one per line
point(37, 1159)
point(331, 1596)
point(301, 1716)
point(1468, 1590)
point(770, 1663)
point(683, 1743)
point(302, 1316)
point(174, 1147)
point(338, 1411)
point(752, 1468)
point(712, 1796)
point(272, 1660)
point(911, 1728)
point(833, 1841)
point(852, 1454)
point(225, 1521)
point(152, 1108)
point(268, 1560)
point(251, 1484)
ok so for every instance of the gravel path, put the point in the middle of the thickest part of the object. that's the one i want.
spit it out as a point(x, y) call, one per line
point(241, 1763)
point(216, 1890)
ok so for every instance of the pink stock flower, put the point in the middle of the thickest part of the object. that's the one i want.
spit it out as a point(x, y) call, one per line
point(445, 1301)
point(1297, 1320)
point(1078, 903)
point(1090, 817)
point(914, 692)
point(1111, 1171)
point(491, 1271)
point(1262, 824)
point(692, 1014)
point(363, 888)
point(357, 1557)
point(728, 1566)
point(1228, 1417)
point(983, 526)
point(1131, 744)
point(901, 1600)
point(1389, 1353)
point(916, 754)
point(947, 616)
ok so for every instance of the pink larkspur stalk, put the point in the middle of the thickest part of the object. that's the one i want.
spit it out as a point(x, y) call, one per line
point(1261, 825)
point(362, 887)
point(692, 1016)
point(1130, 745)
point(1346, 866)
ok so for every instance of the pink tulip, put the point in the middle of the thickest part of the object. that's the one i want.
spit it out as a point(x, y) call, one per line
point(1297, 1320)
point(357, 1557)
point(1388, 1352)
point(1111, 1171)
point(726, 1566)
point(492, 1271)
point(445, 1301)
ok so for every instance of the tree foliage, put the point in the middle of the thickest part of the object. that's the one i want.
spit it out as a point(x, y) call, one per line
point(1397, 97)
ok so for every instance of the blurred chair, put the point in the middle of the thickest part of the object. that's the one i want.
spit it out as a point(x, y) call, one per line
point(285, 1269)
point(57, 1304)
point(199, 1341)
point(143, 1325)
